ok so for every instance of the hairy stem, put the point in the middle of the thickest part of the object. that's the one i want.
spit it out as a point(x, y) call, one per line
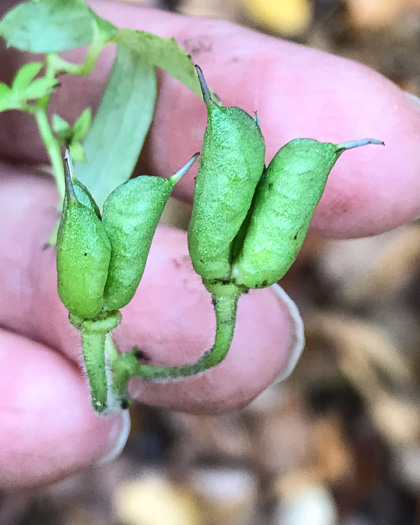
point(120, 372)
point(94, 354)
point(55, 65)
point(225, 302)
point(52, 146)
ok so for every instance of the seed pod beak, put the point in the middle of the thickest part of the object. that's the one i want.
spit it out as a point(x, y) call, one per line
point(204, 87)
point(357, 144)
point(181, 172)
point(68, 175)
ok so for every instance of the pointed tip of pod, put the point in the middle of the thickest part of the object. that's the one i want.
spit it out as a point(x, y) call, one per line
point(204, 87)
point(216, 99)
point(68, 176)
point(181, 172)
point(257, 119)
point(358, 143)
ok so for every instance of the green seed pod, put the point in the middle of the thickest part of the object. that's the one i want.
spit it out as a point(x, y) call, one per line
point(131, 214)
point(232, 161)
point(84, 197)
point(82, 193)
point(83, 255)
point(283, 206)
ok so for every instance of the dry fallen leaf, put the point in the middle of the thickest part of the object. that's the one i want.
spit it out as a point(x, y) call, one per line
point(228, 496)
point(154, 500)
point(280, 16)
point(375, 14)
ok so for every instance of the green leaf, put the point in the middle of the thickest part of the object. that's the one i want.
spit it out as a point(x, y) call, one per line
point(119, 129)
point(71, 136)
point(25, 75)
point(5, 90)
point(77, 152)
point(7, 98)
point(39, 88)
point(59, 125)
point(82, 125)
point(105, 28)
point(9, 103)
point(161, 52)
point(43, 26)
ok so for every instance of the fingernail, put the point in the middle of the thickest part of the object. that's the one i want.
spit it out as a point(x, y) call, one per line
point(416, 101)
point(118, 437)
point(413, 97)
point(298, 342)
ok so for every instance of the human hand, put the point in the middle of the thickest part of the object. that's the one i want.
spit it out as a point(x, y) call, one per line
point(48, 427)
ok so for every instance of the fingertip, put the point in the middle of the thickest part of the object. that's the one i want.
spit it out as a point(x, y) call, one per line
point(49, 430)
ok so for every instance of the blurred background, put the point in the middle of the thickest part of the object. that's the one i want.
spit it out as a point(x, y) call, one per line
point(338, 443)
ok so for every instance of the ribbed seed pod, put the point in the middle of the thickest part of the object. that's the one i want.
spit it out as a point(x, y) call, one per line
point(84, 197)
point(283, 206)
point(83, 255)
point(232, 161)
point(131, 214)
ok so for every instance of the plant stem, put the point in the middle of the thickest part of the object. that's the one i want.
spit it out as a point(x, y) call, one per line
point(58, 66)
point(225, 302)
point(55, 65)
point(52, 146)
point(94, 354)
point(124, 366)
point(121, 369)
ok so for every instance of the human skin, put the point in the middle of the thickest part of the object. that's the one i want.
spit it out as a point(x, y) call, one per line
point(48, 429)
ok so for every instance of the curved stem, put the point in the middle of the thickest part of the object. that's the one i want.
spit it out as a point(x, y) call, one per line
point(225, 307)
point(109, 372)
point(58, 66)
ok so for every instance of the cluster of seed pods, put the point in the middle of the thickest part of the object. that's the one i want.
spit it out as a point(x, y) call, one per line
point(248, 224)
point(101, 259)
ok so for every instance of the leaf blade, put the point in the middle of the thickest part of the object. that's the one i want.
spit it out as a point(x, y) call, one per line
point(26, 74)
point(59, 125)
point(120, 126)
point(161, 52)
point(82, 125)
point(65, 24)
point(39, 88)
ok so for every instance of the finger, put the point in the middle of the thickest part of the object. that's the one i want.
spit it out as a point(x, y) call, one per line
point(170, 318)
point(48, 430)
point(298, 92)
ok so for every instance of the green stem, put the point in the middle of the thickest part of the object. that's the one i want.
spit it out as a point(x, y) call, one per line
point(94, 353)
point(121, 367)
point(225, 301)
point(124, 366)
point(52, 146)
point(58, 66)
point(98, 359)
